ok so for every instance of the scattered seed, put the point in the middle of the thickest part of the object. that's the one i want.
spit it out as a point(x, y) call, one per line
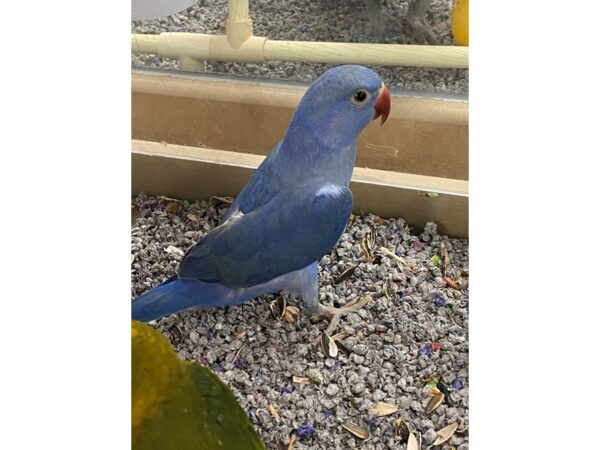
point(345, 274)
point(435, 390)
point(273, 412)
point(356, 430)
point(328, 344)
point(176, 334)
point(365, 250)
point(445, 433)
point(172, 249)
point(444, 389)
point(383, 409)
point(291, 314)
point(434, 403)
point(278, 307)
point(342, 347)
point(402, 429)
point(413, 444)
point(192, 217)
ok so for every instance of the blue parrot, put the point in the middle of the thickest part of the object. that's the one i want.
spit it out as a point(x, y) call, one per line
point(292, 211)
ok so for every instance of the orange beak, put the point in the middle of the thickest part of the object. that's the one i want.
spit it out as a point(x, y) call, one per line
point(383, 104)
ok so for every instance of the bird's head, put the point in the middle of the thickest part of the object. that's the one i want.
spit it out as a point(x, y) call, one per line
point(341, 103)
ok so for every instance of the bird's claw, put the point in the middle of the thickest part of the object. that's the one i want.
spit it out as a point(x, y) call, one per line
point(335, 314)
point(416, 25)
point(420, 31)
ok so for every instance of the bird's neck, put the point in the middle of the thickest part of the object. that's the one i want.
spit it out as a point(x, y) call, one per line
point(309, 155)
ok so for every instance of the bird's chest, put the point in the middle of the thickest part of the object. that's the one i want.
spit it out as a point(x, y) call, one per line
point(324, 207)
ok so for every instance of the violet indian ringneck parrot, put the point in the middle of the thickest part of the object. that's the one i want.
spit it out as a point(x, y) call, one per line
point(292, 211)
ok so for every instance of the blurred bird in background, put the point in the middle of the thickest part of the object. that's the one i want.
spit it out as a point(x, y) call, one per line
point(413, 25)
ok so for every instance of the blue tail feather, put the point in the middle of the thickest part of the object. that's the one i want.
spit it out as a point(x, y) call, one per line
point(163, 300)
point(177, 294)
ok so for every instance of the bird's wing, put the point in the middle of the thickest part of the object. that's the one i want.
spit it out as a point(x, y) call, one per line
point(283, 235)
point(260, 189)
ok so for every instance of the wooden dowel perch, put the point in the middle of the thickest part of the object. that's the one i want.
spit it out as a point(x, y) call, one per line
point(259, 49)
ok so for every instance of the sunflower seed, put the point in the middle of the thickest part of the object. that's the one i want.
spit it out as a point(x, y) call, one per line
point(358, 431)
point(435, 401)
point(402, 429)
point(413, 444)
point(329, 345)
point(172, 249)
point(383, 409)
point(278, 307)
point(445, 433)
point(291, 314)
point(365, 250)
point(345, 274)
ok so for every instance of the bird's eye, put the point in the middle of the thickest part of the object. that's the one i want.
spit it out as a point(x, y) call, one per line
point(360, 97)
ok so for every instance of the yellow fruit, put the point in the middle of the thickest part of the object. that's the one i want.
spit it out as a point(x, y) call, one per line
point(460, 21)
point(179, 405)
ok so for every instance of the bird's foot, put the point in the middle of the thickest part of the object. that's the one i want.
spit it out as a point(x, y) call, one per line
point(420, 31)
point(415, 24)
point(335, 314)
